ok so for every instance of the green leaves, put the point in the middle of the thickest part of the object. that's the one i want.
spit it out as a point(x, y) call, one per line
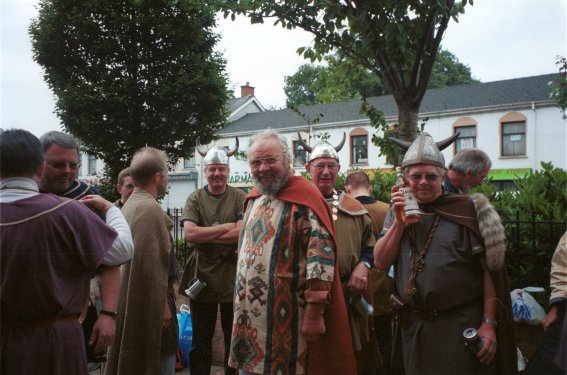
point(397, 40)
point(559, 88)
point(128, 74)
point(535, 213)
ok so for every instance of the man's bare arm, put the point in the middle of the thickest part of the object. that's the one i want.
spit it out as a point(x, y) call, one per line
point(230, 237)
point(197, 234)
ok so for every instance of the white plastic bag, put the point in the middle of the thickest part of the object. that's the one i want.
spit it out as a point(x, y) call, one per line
point(521, 360)
point(525, 308)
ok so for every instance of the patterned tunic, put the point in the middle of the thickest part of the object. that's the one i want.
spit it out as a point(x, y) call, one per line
point(282, 246)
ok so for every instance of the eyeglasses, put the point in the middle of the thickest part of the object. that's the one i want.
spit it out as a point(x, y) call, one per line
point(321, 166)
point(430, 177)
point(62, 165)
point(257, 163)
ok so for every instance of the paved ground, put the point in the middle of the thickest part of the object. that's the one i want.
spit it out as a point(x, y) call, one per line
point(215, 370)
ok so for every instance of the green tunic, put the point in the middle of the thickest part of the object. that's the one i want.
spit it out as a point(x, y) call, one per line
point(211, 263)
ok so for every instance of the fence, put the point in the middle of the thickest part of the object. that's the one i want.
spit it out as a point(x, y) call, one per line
point(531, 244)
point(181, 247)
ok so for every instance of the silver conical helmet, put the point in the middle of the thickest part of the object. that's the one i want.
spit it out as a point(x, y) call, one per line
point(216, 154)
point(322, 149)
point(424, 150)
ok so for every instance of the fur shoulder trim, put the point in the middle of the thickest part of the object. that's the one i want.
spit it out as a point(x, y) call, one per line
point(350, 205)
point(492, 232)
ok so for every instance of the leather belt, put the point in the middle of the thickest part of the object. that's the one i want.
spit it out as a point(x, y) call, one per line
point(430, 314)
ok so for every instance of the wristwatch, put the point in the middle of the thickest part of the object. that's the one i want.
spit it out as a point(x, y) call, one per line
point(368, 265)
point(490, 321)
point(112, 314)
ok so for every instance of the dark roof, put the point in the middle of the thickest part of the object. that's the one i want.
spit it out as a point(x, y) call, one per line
point(235, 103)
point(512, 91)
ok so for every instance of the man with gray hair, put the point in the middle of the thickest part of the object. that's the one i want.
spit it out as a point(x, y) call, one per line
point(212, 219)
point(59, 177)
point(468, 169)
point(62, 167)
point(355, 241)
point(450, 273)
point(289, 313)
point(50, 248)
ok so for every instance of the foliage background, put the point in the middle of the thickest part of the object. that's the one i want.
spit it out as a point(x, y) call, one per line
point(534, 214)
point(128, 74)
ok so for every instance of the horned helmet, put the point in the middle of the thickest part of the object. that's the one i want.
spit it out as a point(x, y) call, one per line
point(423, 150)
point(323, 149)
point(216, 154)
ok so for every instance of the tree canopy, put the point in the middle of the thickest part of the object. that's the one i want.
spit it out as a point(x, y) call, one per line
point(559, 89)
point(341, 78)
point(128, 74)
point(398, 40)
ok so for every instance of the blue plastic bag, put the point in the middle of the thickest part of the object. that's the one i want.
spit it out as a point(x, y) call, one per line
point(185, 333)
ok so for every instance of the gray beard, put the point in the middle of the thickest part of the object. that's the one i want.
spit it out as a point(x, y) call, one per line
point(274, 187)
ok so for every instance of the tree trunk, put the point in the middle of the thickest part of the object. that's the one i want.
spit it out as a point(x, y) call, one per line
point(408, 116)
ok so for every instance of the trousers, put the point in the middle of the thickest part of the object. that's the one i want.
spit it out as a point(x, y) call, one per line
point(204, 317)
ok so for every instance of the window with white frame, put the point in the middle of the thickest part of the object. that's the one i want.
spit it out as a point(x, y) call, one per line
point(359, 149)
point(513, 138)
point(299, 155)
point(466, 138)
point(91, 169)
point(189, 163)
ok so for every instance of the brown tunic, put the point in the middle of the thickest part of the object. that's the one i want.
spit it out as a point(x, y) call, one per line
point(140, 336)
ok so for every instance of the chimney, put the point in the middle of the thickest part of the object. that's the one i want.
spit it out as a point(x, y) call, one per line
point(246, 90)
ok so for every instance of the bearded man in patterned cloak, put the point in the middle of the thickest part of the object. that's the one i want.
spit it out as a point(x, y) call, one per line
point(289, 313)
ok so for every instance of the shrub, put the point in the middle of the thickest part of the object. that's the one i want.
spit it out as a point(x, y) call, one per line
point(534, 214)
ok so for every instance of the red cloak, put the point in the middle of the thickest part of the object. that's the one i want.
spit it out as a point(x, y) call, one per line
point(333, 352)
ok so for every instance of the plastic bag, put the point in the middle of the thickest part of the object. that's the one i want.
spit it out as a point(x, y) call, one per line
point(185, 333)
point(525, 308)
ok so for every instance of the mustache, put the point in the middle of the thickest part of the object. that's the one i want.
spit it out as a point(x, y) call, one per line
point(274, 186)
point(265, 174)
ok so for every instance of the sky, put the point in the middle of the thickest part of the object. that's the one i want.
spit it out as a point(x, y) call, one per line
point(497, 39)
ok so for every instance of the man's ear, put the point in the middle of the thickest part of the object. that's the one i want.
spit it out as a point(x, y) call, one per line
point(308, 168)
point(118, 188)
point(41, 170)
point(348, 189)
point(156, 178)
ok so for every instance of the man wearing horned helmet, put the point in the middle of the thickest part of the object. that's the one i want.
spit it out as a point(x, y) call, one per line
point(212, 219)
point(450, 273)
point(355, 241)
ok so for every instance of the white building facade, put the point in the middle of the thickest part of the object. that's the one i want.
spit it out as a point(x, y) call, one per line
point(514, 121)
